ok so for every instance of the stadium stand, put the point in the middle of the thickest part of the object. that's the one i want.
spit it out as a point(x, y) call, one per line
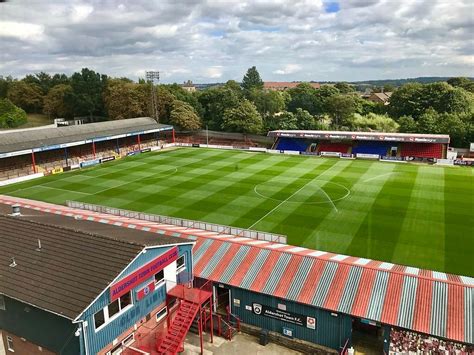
point(45, 150)
point(299, 145)
point(371, 148)
point(334, 147)
point(407, 342)
point(422, 150)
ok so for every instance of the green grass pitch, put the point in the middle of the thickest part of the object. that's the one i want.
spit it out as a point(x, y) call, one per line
point(415, 215)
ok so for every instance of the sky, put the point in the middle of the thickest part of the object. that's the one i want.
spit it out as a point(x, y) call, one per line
point(215, 41)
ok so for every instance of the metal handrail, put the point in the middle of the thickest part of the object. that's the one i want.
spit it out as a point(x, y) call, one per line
point(180, 222)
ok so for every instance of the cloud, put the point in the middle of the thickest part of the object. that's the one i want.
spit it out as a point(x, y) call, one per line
point(288, 69)
point(211, 40)
point(21, 30)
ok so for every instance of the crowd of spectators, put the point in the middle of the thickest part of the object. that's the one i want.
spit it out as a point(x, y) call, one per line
point(405, 342)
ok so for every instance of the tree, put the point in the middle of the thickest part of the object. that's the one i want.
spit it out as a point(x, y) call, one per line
point(252, 80)
point(341, 108)
point(268, 103)
point(344, 88)
point(184, 117)
point(374, 122)
point(125, 99)
point(244, 118)
point(462, 82)
point(86, 98)
point(407, 125)
point(215, 101)
point(282, 120)
point(304, 119)
point(428, 122)
point(28, 96)
point(304, 96)
point(4, 85)
point(407, 101)
point(55, 104)
point(11, 115)
point(42, 79)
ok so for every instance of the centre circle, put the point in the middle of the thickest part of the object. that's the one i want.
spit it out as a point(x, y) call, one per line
point(309, 192)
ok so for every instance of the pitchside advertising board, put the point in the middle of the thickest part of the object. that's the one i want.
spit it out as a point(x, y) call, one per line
point(285, 316)
point(144, 273)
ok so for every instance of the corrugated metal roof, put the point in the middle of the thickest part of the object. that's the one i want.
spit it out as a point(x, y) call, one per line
point(30, 139)
point(401, 296)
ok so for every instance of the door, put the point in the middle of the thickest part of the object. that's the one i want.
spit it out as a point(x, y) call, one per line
point(222, 298)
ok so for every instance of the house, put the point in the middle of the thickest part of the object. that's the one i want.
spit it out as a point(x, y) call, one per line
point(189, 86)
point(380, 97)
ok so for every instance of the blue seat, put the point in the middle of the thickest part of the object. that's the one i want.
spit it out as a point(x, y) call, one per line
point(299, 145)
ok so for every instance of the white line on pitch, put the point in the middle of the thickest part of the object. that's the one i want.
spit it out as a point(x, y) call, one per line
point(294, 193)
point(379, 176)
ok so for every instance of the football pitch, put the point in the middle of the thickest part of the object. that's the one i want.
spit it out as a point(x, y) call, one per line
point(416, 215)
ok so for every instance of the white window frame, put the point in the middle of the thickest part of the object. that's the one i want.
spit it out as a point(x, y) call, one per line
point(124, 343)
point(162, 281)
point(182, 267)
point(121, 311)
point(2, 303)
point(161, 317)
point(10, 344)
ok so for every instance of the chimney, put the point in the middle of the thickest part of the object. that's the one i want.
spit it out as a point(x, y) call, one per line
point(13, 263)
point(16, 210)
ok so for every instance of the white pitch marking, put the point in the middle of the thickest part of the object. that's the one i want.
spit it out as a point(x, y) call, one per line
point(293, 194)
point(379, 176)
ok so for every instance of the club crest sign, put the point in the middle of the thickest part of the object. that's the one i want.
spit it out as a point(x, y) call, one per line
point(257, 308)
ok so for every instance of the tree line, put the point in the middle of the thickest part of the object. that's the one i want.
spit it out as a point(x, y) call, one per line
point(441, 107)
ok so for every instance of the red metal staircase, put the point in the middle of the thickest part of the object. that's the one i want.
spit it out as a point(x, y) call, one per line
point(174, 337)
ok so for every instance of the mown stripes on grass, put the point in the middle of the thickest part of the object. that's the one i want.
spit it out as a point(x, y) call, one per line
point(410, 214)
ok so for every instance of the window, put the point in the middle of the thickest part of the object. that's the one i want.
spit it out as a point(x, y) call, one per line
point(99, 319)
point(159, 277)
point(125, 300)
point(113, 310)
point(10, 344)
point(180, 264)
point(2, 303)
point(161, 314)
point(119, 348)
point(129, 340)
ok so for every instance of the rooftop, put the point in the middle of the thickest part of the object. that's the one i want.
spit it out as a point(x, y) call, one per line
point(45, 137)
point(77, 260)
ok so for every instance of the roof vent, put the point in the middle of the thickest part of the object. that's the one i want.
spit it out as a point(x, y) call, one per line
point(13, 263)
point(16, 210)
point(39, 245)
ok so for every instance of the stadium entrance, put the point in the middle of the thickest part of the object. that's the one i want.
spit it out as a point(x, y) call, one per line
point(222, 299)
point(367, 337)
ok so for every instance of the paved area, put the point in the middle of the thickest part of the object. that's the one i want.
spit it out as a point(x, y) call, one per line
point(242, 344)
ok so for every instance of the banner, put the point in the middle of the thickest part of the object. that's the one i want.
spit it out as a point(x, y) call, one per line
point(106, 159)
point(87, 163)
point(133, 153)
point(289, 317)
point(464, 162)
point(124, 285)
point(146, 150)
point(367, 156)
point(330, 154)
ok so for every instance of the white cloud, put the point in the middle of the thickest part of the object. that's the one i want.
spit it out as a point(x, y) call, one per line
point(21, 30)
point(288, 69)
point(80, 12)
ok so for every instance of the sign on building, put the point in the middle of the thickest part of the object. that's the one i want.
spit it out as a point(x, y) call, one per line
point(285, 316)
